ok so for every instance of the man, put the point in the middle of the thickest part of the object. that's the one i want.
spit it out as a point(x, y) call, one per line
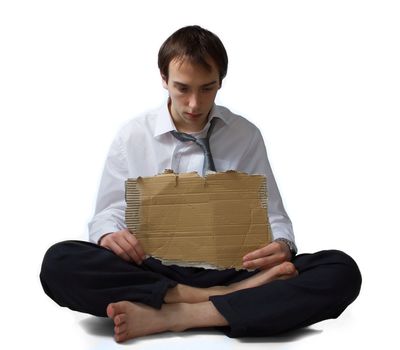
point(112, 276)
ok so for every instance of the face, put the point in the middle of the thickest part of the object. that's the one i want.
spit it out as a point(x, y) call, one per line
point(192, 90)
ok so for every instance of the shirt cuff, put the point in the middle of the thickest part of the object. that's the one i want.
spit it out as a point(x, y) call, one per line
point(95, 233)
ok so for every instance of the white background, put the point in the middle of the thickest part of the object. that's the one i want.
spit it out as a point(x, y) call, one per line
point(321, 79)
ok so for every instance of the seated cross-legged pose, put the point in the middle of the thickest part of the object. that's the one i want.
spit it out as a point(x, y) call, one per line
point(110, 276)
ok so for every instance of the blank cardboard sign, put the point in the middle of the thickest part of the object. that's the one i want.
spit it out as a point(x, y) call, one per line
point(190, 220)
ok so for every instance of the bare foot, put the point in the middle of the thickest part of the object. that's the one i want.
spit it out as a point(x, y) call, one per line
point(133, 320)
point(282, 271)
point(187, 294)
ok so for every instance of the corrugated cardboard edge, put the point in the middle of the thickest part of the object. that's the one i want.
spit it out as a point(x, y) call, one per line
point(132, 217)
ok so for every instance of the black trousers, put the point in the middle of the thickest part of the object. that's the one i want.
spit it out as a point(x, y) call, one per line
point(86, 277)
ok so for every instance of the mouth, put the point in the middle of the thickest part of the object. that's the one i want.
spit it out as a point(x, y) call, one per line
point(193, 115)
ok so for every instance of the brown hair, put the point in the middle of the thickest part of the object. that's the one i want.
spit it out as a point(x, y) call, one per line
point(197, 44)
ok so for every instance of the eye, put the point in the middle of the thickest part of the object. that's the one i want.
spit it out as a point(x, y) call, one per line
point(208, 88)
point(182, 89)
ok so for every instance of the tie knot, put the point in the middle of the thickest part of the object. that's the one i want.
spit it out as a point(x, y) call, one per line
point(181, 136)
point(202, 142)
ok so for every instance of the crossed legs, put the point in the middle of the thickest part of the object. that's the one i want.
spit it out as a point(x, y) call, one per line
point(185, 307)
point(155, 298)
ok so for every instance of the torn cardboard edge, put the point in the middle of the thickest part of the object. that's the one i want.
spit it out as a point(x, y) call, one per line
point(190, 220)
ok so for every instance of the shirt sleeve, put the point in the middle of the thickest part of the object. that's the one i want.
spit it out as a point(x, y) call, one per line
point(255, 161)
point(110, 206)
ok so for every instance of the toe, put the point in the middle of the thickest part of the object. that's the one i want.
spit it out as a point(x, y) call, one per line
point(122, 328)
point(119, 319)
point(286, 268)
point(110, 310)
point(120, 337)
point(289, 268)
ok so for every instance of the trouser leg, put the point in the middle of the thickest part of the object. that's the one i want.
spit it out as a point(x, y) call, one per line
point(86, 277)
point(327, 283)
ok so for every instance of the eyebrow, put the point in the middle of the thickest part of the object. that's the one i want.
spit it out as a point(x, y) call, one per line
point(186, 85)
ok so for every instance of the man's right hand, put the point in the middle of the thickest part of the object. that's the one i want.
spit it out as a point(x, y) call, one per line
point(125, 245)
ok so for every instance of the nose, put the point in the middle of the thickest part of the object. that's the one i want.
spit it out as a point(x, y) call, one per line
point(194, 101)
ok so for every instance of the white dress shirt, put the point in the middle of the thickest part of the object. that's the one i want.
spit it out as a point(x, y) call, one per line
point(145, 147)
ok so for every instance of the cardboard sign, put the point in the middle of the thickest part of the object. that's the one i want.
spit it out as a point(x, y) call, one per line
point(190, 220)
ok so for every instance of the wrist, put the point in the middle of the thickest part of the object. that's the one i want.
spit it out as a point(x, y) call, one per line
point(101, 238)
point(289, 244)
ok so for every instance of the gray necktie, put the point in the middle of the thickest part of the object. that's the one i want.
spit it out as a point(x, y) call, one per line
point(203, 143)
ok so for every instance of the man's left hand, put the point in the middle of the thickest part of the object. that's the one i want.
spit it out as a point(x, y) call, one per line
point(266, 257)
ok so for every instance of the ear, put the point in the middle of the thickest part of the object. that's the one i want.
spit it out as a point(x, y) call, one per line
point(164, 81)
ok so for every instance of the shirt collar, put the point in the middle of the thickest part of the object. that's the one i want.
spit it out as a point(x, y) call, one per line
point(165, 124)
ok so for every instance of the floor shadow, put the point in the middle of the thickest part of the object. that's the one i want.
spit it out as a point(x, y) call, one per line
point(284, 337)
point(105, 327)
point(98, 326)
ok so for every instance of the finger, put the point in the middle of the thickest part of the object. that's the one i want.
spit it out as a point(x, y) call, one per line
point(276, 258)
point(259, 253)
point(261, 263)
point(115, 247)
point(268, 250)
point(131, 238)
point(129, 249)
point(118, 243)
